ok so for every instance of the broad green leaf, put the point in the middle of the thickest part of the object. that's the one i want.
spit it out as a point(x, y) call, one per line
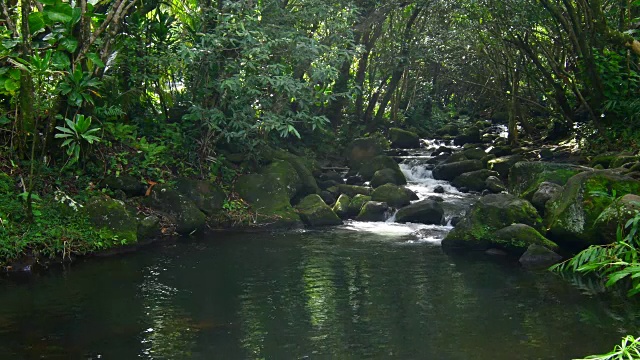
point(616, 277)
point(95, 58)
point(36, 22)
point(69, 43)
point(59, 13)
point(60, 60)
point(11, 85)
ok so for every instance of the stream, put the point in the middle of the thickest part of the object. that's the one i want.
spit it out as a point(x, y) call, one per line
point(357, 291)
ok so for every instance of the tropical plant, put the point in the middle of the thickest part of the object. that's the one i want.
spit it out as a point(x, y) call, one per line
point(77, 133)
point(629, 349)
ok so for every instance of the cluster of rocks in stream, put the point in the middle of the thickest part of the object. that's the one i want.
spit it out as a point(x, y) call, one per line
point(534, 203)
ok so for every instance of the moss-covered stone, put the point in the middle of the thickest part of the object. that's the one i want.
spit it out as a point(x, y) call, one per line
point(207, 196)
point(451, 171)
point(470, 135)
point(474, 180)
point(490, 214)
point(449, 129)
point(391, 194)
point(353, 190)
point(130, 185)
point(494, 184)
point(455, 157)
point(183, 212)
point(269, 199)
point(621, 160)
point(367, 170)
point(503, 164)
point(284, 172)
point(388, 176)
point(423, 212)
point(363, 150)
point(571, 216)
point(403, 139)
point(545, 192)
point(603, 160)
point(373, 211)
point(341, 207)
point(148, 227)
point(516, 239)
point(475, 153)
point(356, 204)
point(304, 169)
point(314, 212)
point(112, 218)
point(526, 177)
point(615, 215)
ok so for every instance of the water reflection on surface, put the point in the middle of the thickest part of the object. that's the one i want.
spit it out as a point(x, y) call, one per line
point(316, 294)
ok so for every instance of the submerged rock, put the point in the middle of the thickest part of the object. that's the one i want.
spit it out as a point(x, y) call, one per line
point(516, 238)
point(314, 212)
point(538, 256)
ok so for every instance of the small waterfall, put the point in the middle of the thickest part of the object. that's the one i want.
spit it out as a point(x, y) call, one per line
point(420, 180)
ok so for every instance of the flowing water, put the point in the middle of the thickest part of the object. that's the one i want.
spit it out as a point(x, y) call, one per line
point(359, 291)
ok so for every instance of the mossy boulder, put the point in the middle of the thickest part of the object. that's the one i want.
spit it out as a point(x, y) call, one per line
point(149, 227)
point(269, 199)
point(603, 160)
point(526, 177)
point(341, 207)
point(304, 169)
point(474, 180)
point(180, 208)
point(387, 176)
point(207, 196)
point(130, 185)
point(516, 239)
point(494, 184)
point(368, 169)
point(424, 212)
point(112, 218)
point(471, 135)
point(451, 171)
point(503, 165)
point(621, 160)
point(373, 211)
point(356, 204)
point(314, 212)
point(545, 192)
point(284, 172)
point(571, 216)
point(488, 215)
point(393, 195)
point(403, 139)
point(363, 150)
point(353, 190)
point(474, 153)
point(448, 130)
point(411, 194)
point(455, 157)
point(616, 214)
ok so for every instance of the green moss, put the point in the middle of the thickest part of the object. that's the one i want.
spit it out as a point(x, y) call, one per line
point(393, 195)
point(268, 199)
point(314, 212)
point(526, 177)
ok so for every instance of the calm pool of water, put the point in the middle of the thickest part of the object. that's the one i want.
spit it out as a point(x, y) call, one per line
point(338, 294)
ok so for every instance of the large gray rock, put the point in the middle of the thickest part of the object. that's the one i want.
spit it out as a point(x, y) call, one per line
point(451, 171)
point(538, 256)
point(341, 207)
point(388, 176)
point(545, 192)
point(183, 212)
point(424, 212)
point(617, 214)
point(516, 239)
point(494, 184)
point(474, 180)
point(130, 185)
point(207, 196)
point(470, 135)
point(356, 204)
point(367, 170)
